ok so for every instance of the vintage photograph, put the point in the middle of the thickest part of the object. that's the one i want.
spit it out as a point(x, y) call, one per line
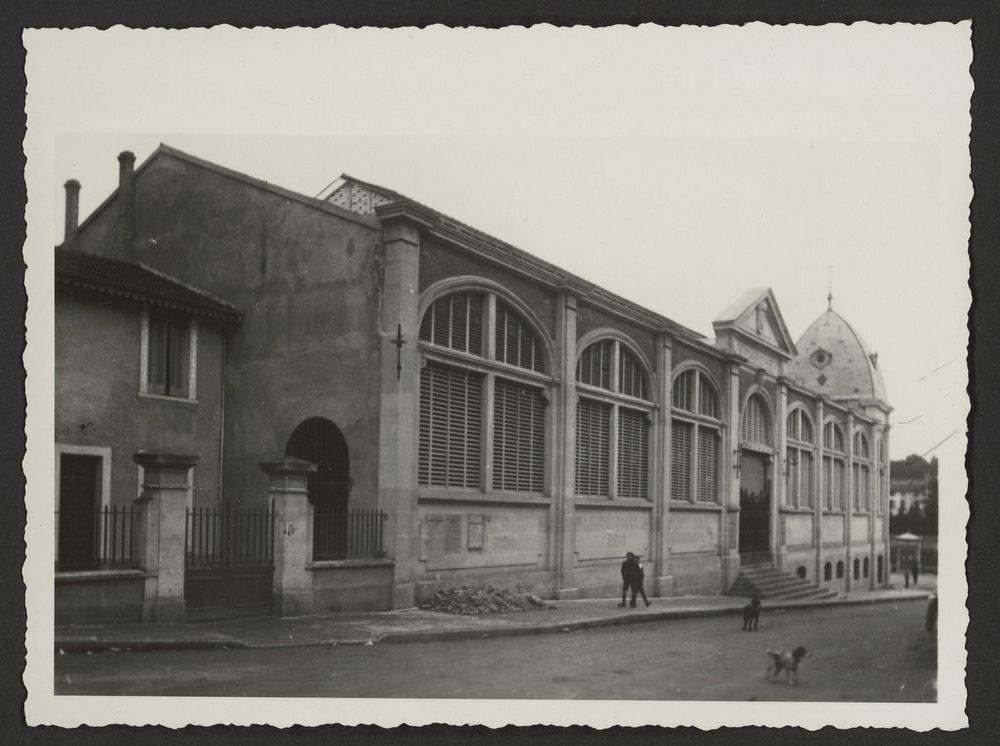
point(530, 375)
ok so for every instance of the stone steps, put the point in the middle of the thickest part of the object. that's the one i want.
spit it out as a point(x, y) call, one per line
point(767, 581)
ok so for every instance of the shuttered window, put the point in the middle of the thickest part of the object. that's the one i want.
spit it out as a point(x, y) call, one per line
point(168, 345)
point(708, 465)
point(633, 454)
point(454, 398)
point(840, 483)
point(610, 365)
point(755, 426)
point(594, 366)
point(518, 437)
point(799, 460)
point(455, 322)
point(631, 379)
point(515, 342)
point(680, 460)
point(695, 443)
point(806, 488)
point(450, 427)
point(593, 433)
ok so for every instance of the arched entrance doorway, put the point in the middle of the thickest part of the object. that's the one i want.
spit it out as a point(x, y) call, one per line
point(756, 449)
point(320, 441)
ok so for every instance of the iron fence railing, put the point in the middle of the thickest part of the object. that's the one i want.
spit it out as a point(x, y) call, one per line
point(96, 540)
point(347, 534)
point(229, 536)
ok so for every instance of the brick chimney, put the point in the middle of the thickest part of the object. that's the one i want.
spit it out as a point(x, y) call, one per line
point(126, 203)
point(72, 213)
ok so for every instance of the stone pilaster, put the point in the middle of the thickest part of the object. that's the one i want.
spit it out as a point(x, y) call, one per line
point(819, 478)
point(663, 584)
point(400, 385)
point(161, 533)
point(780, 497)
point(731, 478)
point(563, 493)
point(849, 507)
point(288, 491)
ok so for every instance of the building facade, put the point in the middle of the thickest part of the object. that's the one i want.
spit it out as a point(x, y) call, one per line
point(516, 425)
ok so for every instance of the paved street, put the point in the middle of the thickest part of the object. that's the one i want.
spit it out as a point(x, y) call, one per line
point(861, 653)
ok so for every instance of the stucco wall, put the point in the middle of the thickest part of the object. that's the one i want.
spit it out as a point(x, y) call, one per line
point(97, 401)
point(308, 282)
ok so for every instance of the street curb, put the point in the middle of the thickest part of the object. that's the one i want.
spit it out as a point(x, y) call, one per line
point(97, 646)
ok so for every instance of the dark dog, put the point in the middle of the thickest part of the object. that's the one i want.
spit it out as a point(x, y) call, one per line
point(787, 663)
point(751, 615)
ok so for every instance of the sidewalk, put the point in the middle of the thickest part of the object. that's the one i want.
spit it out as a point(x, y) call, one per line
point(415, 625)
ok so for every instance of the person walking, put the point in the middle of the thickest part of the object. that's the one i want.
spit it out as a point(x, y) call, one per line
point(632, 577)
point(915, 571)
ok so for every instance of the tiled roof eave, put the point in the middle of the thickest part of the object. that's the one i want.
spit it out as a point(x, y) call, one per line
point(234, 318)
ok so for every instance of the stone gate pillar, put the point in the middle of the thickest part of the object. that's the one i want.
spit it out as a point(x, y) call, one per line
point(293, 524)
point(160, 533)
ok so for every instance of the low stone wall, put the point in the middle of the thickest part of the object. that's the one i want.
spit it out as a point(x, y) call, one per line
point(351, 585)
point(99, 597)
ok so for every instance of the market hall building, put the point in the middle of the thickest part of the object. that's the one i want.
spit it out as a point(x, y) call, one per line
point(456, 411)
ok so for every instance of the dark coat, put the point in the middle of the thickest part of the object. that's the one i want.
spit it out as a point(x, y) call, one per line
point(632, 573)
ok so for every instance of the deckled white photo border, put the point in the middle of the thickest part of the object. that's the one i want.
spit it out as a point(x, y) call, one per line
point(46, 120)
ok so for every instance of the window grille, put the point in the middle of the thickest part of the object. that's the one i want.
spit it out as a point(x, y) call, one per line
point(694, 443)
point(833, 437)
point(805, 479)
point(593, 429)
point(633, 454)
point(518, 437)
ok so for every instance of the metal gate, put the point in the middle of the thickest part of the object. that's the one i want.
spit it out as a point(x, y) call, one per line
point(229, 567)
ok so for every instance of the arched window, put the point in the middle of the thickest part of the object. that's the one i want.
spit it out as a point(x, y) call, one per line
point(840, 569)
point(861, 467)
point(480, 356)
point(857, 569)
point(879, 489)
point(834, 466)
point(696, 431)
point(612, 408)
point(866, 568)
point(799, 458)
point(827, 571)
point(755, 425)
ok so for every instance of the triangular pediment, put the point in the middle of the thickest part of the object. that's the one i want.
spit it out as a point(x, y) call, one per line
point(756, 315)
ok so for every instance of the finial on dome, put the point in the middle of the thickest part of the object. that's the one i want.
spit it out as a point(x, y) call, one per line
point(829, 295)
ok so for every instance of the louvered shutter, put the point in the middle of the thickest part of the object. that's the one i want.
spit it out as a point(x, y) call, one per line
point(518, 437)
point(450, 424)
point(708, 465)
point(806, 478)
point(754, 427)
point(592, 446)
point(680, 461)
point(455, 321)
point(840, 483)
point(633, 454)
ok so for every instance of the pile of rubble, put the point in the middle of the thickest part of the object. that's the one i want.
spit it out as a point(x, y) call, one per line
point(477, 601)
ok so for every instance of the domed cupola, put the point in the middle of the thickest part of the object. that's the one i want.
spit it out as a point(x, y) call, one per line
point(833, 360)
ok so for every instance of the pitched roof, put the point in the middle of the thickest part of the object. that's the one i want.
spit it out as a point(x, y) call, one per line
point(138, 282)
point(742, 315)
point(366, 198)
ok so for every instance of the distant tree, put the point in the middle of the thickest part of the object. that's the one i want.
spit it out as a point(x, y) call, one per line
point(898, 521)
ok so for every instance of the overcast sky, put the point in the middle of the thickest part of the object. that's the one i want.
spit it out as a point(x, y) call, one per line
point(676, 167)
